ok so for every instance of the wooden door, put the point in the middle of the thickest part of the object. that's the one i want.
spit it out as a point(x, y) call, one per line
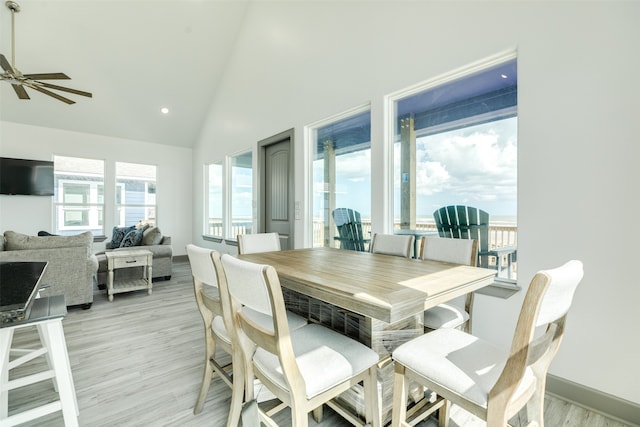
point(276, 199)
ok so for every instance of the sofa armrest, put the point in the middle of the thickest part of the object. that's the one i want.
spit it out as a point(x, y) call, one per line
point(70, 271)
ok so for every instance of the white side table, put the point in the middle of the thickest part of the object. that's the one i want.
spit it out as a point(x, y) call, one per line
point(128, 259)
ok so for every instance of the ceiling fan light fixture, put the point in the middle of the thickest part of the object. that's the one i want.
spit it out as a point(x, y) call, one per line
point(19, 81)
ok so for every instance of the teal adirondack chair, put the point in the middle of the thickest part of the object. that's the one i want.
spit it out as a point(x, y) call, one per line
point(349, 225)
point(466, 222)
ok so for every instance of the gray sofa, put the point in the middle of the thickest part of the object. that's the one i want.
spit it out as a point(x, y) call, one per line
point(162, 258)
point(72, 265)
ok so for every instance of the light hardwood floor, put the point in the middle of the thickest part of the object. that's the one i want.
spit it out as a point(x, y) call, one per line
point(137, 361)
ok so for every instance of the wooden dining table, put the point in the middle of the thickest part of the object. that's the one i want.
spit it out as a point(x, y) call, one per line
point(377, 299)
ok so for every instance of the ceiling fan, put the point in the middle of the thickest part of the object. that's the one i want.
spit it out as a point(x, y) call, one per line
point(19, 81)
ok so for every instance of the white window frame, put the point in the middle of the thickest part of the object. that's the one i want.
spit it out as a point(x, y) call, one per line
point(207, 200)
point(93, 206)
point(120, 208)
point(228, 191)
point(310, 138)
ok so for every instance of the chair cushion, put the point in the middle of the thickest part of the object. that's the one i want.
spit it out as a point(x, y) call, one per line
point(325, 359)
point(444, 316)
point(459, 362)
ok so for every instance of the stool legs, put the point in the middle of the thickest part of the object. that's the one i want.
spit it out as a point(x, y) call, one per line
point(54, 347)
point(57, 346)
point(6, 335)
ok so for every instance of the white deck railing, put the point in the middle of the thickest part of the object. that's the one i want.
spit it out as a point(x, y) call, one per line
point(499, 235)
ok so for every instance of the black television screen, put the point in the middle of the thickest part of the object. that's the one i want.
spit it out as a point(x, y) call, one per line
point(29, 177)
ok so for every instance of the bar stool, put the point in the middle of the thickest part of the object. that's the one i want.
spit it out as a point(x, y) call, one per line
point(46, 315)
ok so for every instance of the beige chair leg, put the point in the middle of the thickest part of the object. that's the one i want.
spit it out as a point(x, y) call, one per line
point(317, 414)
point(443, 414)
point(400, 389)
point(535, 406)
point(237, 399)
point(372, 399)
point(204, 387)
point(299, 418)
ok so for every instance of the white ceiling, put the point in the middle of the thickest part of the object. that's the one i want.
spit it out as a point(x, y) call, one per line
point(134, 56)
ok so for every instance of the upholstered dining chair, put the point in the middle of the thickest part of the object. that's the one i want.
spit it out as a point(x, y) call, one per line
point(456, 313)
point(303, 368)
point(392, 244)
point(207, 295)
point(205, 287)
point(489, 382)
point(258, 242)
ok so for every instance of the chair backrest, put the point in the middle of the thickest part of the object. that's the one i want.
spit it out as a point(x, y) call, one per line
point(259, 242)
point(257, 287)
point(546, 303)
point(391, 244)
point(205, 283)
point(456, 251)
point(349, 225)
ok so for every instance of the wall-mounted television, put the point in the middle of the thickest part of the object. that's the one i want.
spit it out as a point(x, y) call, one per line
point(28, 177)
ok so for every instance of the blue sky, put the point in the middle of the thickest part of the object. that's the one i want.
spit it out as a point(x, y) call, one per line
point(476, 166)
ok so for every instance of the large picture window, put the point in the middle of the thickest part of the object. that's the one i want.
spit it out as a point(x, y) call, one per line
point(229, 197)
point(135, 194)
point(241, 194)
point(341, 174)
point(213, 226)
point(455, 143)
point(79, 195)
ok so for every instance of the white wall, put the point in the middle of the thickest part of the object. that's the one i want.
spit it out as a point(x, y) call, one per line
point(298, 62)
point(30, 214)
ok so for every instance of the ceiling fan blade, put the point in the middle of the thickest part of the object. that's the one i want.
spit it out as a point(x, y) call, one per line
point(65, 89)
point(21, 92)
point(47, 76)
point(5, 64)
point(48, 92)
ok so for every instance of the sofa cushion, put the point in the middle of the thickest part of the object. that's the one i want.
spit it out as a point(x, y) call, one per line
point(117, 236)
point(17, 241)
point(132, 238)
point(152, 236)
point(1, 243)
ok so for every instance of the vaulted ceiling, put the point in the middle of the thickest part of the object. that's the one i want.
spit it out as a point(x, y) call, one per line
point(135, 57)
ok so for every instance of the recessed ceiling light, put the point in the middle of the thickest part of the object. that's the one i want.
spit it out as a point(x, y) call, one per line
point(164, 110)
point(504, 76)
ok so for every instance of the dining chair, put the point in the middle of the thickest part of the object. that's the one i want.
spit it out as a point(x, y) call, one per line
point(457, 312)
point(205, 287)
point(303, 368)
point(392, 244)
point(206, 279)
point(491, 383)
point(467, 222)
point(258, 242)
